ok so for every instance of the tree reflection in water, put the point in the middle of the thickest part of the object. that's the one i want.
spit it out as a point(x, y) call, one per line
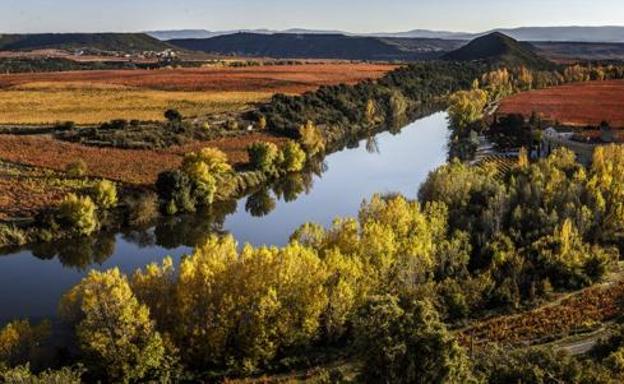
point(174, 232)
point(78, 253)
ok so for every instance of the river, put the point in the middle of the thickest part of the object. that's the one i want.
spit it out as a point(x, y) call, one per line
point(33, 280)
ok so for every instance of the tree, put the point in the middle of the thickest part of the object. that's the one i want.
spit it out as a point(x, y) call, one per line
point(294, 157)
point(79, 213)
point(262, 123)
point(239, 309)
point(113, 329)
point(466, 107)
point(370, 112)
point(207, 169)
point(173, 116)
point(263, 156)
point(311, 139)
point(105, 194)
point(19, 341)
point(23, 375)
point(405, 342)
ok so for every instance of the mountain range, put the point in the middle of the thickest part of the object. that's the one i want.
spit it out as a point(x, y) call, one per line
point(605, 34)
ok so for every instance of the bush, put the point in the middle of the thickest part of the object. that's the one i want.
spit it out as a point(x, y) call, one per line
point(77, 168)
point(263, 155)
point(79, 213)
point(105, 194)
point(10, 235)
point(294, 157)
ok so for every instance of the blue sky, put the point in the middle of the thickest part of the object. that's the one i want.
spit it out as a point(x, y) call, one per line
point(350, 15)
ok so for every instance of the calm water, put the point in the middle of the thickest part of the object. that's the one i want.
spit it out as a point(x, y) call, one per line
point(32, 281)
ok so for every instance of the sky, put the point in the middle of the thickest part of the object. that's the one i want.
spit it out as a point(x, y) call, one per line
point(37, 16)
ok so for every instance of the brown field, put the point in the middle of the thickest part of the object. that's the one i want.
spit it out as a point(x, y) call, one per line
point(139, 167)
point(579, 104)
point(271, 78)
point(92, 97)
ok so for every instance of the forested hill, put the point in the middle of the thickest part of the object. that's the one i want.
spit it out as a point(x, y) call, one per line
point(120, 42)
point(327, 46)
point(497, 48)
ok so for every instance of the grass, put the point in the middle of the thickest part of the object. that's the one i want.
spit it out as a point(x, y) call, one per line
point(86, 103)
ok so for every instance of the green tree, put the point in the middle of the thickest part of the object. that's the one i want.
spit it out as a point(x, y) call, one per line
point(405, 342)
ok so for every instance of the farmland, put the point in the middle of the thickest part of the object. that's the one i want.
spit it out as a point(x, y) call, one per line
point(578, 104)
point(139, 167)
point(92, 97)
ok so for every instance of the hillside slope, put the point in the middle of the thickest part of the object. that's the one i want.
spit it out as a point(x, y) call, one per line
point(497, 48)
point(122, 42)
point(319, 46)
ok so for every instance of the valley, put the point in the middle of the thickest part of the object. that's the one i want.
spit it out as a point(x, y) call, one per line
point(311, 207)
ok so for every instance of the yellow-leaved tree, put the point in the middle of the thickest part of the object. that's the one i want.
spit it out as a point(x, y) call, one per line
point(466, 107)
point(114, 330)
point(240, 309)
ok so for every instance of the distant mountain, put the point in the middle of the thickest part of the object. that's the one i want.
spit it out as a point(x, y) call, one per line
point(606, 34)
point(319, 46)
point(121, 42)
point(497, 48)
point(205, 34)
point(570, 51)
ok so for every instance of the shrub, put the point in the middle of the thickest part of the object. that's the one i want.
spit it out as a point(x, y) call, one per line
point(263, 155)
point(294, 157)
point(10, 235)
point(105, 194)
point(79, 213)
point(77, 168)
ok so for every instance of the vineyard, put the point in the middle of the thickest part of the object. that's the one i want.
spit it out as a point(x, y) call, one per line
point(577, 313)
point(501, 163)
point(270, 78)
point(578, 104)
point(25, 190)
point(92, 97)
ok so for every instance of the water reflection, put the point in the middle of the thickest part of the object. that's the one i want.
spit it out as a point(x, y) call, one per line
point(32, 280)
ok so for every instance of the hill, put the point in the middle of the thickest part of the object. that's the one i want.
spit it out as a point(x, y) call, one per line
point(572, 51)
point(120, 42)
point(319, 46)
point(497, 48)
